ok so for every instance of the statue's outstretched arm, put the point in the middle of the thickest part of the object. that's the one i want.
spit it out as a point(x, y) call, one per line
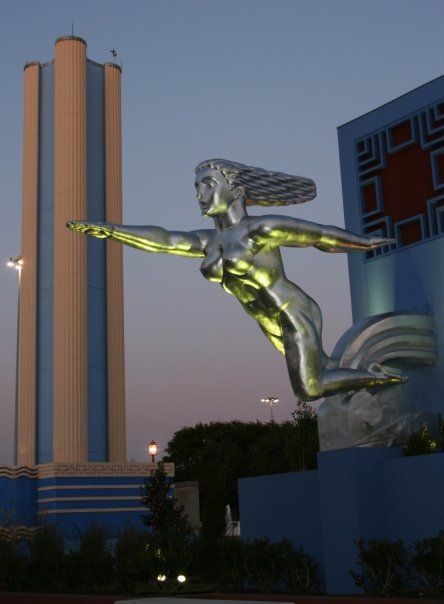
point(154, 239)
point(286, 231)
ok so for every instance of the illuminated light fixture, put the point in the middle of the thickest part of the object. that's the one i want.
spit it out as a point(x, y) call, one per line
point(161, 578)
point(151, 449)
point(181, 578)
point(15, 262)
point(270, 401)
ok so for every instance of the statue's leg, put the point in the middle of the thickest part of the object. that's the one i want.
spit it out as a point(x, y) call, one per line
point(304, 357)
point(309, 378)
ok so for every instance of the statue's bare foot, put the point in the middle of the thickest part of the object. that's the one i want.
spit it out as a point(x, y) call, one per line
point(101, 230)
point(384, 376)
point(381, 241)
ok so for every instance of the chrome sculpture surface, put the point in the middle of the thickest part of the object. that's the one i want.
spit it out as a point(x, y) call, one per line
point(379, 417)
point(242, 254)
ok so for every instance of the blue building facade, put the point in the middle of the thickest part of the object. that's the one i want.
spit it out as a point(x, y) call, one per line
point(392, 168)
point(74, 496)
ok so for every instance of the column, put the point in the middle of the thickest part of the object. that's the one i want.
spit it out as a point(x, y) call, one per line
point(114, 268)
point(28, 280)
point(70, 270)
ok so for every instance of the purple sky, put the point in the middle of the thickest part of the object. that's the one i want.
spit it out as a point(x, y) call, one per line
point(263, 82)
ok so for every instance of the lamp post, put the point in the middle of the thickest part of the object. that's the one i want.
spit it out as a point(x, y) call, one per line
point(270, 401)
point(151, 449)
point(17, 263)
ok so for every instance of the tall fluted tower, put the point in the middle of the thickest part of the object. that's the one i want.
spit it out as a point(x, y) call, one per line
point(71, 358)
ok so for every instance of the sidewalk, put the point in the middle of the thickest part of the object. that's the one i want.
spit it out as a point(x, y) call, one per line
point(19, 598)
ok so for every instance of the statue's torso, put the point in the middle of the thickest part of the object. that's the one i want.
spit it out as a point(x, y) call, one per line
point(255, 275)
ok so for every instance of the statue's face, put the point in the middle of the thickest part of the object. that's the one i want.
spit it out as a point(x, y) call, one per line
point(213, 192)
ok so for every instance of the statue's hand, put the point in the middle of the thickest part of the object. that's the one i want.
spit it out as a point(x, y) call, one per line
point(381, 241)
point(101, 230)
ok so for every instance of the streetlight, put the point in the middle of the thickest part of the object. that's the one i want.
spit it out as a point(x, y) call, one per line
point(151, 449)
point(270, 401)
point(17, 263)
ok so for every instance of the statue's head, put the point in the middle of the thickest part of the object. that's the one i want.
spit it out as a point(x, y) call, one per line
point(215, 193)
point(219, 182)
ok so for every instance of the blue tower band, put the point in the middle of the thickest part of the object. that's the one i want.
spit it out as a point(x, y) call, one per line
point(96, 269)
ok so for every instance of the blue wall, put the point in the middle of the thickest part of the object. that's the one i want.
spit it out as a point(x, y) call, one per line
point(414, 496)
point(45, 271)
point(352, 507)
point(355, 494)
point(266, 512)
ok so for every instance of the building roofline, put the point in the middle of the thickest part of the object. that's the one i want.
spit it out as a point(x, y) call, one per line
point(113, 65)
point(388, 102)
point(30, 64)
point(75, 38)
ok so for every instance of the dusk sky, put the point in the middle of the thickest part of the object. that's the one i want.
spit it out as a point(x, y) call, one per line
point(262, 82)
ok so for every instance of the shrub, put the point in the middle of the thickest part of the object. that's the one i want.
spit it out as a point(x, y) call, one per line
point(384, 567)
point(91, 565)
point(299, 571)
point(219, 567)
point(46, 567)
point(263, 562)
point(132, 571)
point(428, 562)
point(12, 566)
point(420, 443)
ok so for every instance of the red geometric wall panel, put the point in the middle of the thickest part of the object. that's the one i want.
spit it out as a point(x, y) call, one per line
point(401, 179)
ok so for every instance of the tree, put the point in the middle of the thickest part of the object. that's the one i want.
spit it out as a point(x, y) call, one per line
point(168, 545)
point(219, 453)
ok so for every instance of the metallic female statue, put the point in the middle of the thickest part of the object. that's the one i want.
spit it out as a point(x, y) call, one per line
point(242, 254)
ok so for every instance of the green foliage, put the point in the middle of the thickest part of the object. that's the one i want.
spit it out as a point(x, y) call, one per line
point(262, 561)
point(384, 567)
point(258, 565)
point(231, 573)
point(420, 442)
point(306, 445)
point(219, 453)
point(165, 517)
point(46, 567)
point(92, 561)
point(167, 550)
point(299, 572)
point(428, 562)
point(12, 566)
point(131, 561)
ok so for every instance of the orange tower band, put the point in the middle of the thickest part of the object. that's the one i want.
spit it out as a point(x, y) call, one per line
point(26, 436)
point(70, 376)
point(114, 268)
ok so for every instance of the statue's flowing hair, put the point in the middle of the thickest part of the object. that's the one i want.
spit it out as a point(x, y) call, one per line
point(262, 187)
